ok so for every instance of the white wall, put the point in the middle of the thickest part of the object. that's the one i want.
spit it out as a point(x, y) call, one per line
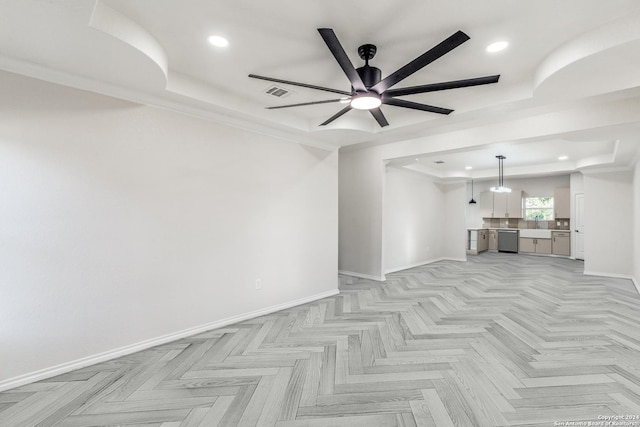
point(608, 241)
point(414, 213)
point(454, 232)
point(121, 223)
point(473, 219)
point(361, 190)
point(392, 218)
point(636, 225)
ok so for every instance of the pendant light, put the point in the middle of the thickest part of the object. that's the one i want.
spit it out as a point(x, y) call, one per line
point(501, 188)
point(472, 201)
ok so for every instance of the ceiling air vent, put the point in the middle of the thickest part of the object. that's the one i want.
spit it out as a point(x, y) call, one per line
point(438, 162)
point(277, 91)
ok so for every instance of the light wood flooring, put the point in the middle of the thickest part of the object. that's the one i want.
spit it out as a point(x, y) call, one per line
point(500, 340)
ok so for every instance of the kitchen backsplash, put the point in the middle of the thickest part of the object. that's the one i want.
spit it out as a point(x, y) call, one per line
point(565, 224)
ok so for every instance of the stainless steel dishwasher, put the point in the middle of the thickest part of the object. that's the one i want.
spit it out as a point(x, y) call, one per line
point(508, 241)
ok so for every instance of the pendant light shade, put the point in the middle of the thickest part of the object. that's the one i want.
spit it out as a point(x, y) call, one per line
point(472, 201)
point(500, 188)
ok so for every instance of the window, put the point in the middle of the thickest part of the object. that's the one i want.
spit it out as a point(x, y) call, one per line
point(540, 208)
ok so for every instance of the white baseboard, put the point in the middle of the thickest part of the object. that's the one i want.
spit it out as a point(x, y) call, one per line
point(414, 265)
point(615, 276)
point(143, 345)
point(454, 259)
point(396, 269)
point(362, 276)
point(418, 264)
point(612, 275)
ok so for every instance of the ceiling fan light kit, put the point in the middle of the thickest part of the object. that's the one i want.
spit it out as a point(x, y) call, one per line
point(366, 101)
point(369, 90)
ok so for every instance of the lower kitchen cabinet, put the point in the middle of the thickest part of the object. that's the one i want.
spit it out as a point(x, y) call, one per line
point(477, 241)
point(483, 240)
point(535, 246)
point(561, 243)
point(543, 246)
point(493, 240)
point(527, 244)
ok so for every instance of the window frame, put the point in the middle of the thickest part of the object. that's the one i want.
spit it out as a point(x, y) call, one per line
point(550, 208)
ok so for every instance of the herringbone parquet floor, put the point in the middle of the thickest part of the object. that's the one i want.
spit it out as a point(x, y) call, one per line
point(497, 341)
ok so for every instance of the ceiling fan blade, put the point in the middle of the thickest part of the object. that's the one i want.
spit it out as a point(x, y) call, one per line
point(443, 86)
point(336, 115)
point(305, 103)
point(338, 52)
point(326, 89)
point(416, 106)
point(426, 58)
point(380, 118)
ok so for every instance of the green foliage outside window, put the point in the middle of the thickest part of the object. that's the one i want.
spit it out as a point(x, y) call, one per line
point(540, 208)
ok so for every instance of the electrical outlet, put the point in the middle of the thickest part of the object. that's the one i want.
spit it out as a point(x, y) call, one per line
point(258, 283)
point(566, 223)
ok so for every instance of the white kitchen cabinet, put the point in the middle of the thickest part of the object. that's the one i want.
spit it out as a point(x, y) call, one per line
point(561, 243)
point(543, 246)
point(527, 245)
point(535, 245)
point(501, 205)
point(514, 204)
point(486, 204)
point(562, 202)
point(493, 240)
point(483, 240)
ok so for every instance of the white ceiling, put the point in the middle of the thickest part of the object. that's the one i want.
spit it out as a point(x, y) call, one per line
point(566, 59)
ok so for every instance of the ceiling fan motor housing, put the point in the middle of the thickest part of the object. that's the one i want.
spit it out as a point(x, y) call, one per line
point(369, 75)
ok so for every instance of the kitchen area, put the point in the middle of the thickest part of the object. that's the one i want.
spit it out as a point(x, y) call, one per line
point(533, 219)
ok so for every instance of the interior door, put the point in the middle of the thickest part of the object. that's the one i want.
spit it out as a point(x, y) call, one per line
point(579, 227)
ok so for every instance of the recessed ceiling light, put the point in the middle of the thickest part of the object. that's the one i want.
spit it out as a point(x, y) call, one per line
point(468, 168)
point(563, 157)
point(218, 41)
point(497, 46)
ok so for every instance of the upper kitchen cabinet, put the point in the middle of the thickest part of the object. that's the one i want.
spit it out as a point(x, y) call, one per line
point(501, 205)
point(486, 204)
point(514, 204)
point(562, 202)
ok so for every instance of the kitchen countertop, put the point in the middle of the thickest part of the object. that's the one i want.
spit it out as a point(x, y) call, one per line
point(518, 229)
point(490, 228)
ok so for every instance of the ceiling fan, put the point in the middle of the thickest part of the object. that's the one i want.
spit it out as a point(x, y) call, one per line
point(369, 90)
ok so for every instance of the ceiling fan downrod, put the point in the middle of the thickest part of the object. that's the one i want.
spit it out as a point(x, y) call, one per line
point(370, 75)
